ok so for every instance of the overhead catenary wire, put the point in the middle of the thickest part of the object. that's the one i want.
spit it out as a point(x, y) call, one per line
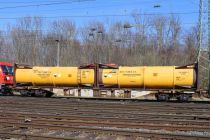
point(66, 2)
point(108, 15)
point(45, 3)
point(100, 6)
point(89, 7)
point(42, 4)
point(94, 16)
point(27, 2)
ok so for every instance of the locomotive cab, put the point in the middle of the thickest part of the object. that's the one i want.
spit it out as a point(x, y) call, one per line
point(6, 77)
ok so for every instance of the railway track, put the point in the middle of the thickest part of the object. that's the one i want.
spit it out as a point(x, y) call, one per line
point(48, 118)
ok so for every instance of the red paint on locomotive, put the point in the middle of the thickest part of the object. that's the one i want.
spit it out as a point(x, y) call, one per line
point(6, 73)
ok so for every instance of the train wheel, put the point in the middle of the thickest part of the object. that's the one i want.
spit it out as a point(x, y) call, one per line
point(162, 97)
point(33, 94)
point(6, 92)
point(43, 93)
point(39, 93)
point(184, 97)
point(23, 92)
point(49, 94)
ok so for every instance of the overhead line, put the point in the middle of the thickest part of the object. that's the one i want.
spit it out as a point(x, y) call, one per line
point(90, 7)
point(24, 2)
point(44, 4)
point(111, 15)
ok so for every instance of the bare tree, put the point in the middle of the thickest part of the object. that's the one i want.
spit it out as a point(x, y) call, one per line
point(191, 43)
point(26, 38)
point(151, 41)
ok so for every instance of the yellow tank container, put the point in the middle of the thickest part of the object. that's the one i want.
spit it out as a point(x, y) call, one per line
point(23, 75)
point(148, 77)
point(168, 77)
point(124, 77)
point(109, 76)
point(159, 77)
point(131, 77)
point(55, 76)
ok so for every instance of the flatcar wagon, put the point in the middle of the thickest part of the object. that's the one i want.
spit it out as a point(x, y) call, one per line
point(168, 81)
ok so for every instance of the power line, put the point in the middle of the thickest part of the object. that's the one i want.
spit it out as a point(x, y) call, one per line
point(193, 2)
point(24, 2)
point(111, 15)
point(130, 3)
point(69, 9)
point(92, 7)
point(43, 4)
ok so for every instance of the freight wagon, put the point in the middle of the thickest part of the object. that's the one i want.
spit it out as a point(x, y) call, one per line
point(168, 81)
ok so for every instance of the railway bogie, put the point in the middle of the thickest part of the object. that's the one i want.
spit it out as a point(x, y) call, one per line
point(6, 90)
point(163, 97)
point(183, 97)
point(35, 92)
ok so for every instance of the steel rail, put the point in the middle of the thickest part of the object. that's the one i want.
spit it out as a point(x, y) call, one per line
point(31, 136)
point(104, 123)
point(114, 131)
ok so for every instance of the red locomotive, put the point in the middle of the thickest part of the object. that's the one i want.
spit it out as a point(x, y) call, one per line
point(6, 77)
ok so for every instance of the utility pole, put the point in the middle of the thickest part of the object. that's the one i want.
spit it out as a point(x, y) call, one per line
point(209, 44)
point(200, 29)
point(58, 52)
point(209, 29)
point(203, 55)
